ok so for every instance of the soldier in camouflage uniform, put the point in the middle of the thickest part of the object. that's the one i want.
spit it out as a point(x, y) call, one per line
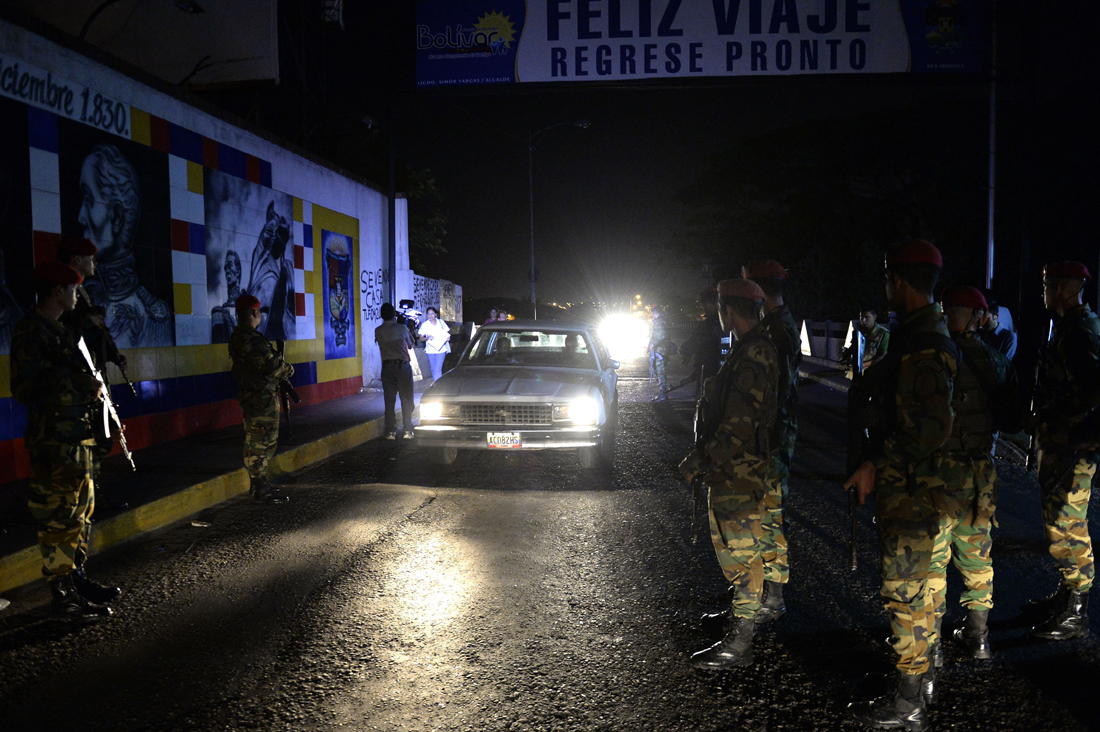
point(51, 377)
point(258, 371)
point(1066, 400)
point(734, 460)
point(659, 351)
point(784, 333)
point(985, 398)
point(86, 321)
point(911, 391)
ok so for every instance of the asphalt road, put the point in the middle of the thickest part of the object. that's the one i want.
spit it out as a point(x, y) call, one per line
point(515, 592)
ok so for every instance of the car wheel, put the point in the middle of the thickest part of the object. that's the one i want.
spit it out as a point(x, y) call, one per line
point(603, 455)
point(442, 455)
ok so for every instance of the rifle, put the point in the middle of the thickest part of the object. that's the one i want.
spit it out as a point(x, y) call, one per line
point(693, 376)
point(1032, 443)
point(701, 437)
point(652, 355)
point(126, 378)
point(286, 391)
point(110, 416)
point(857, 443)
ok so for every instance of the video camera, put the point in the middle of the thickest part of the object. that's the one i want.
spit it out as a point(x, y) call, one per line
point(409, 316)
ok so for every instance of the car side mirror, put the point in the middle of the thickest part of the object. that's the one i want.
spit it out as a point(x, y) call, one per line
point(615, 364)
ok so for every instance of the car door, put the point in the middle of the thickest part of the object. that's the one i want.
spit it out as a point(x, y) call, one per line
point(609, 378)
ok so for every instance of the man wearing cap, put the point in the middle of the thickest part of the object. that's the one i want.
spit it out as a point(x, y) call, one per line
point(1067, 398)
point(911, 399)
point(734, 460)
point(258, 370)
point(658, 351)
point(784, 333)
point(50, 376)
point(985, 399)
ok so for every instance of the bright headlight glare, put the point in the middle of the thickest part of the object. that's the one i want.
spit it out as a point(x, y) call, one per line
point(431, 410)
point(584, 411)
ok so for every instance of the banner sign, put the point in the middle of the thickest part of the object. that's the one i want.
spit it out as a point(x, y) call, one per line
point(40, 88)
point(507, 41)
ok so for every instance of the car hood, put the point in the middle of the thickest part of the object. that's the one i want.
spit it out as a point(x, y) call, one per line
point(514, 381)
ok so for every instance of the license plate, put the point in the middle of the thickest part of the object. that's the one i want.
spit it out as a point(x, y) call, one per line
point(504, 439)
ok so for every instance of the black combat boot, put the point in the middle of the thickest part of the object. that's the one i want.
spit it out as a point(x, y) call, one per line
point(928, 687)
point(974, 634)
point(733, 650)
point(771, 603)
point(93, 591)
point(903, 709)
point(67, 604)
point(1072, 621)
point(662, 396)
point(263, 492)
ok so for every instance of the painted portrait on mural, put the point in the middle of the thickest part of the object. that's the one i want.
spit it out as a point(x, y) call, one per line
point(248, 250)
point(16, 246)
point(336, 263)
point(115, 193)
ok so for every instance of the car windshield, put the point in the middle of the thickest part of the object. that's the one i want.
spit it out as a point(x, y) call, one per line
point(532, 348)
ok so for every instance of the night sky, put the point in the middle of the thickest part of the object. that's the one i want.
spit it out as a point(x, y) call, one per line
point(609, 199)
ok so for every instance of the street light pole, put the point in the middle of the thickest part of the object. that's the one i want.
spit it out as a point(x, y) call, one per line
point(583, 124)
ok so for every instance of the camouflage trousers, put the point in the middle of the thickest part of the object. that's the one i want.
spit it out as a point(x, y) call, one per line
point(966, 506)
point(659, 370)
point(736, 531)
point(1065, 495)
point(774, 522)
point(62, 501)
point(908, 521)
point(261, 436)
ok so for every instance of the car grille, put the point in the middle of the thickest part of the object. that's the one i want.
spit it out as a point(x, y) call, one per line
point(506, 414)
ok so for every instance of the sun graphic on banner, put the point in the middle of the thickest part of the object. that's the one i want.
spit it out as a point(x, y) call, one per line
point(501, 24)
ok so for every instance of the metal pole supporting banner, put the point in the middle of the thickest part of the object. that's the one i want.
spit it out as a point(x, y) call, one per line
point(531, 203)
point(992, 146)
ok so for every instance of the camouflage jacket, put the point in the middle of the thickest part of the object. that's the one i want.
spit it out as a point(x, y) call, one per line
point(915, 381)
point(743, 397)
point(50, 376)
point(256, 367)
point(80, 322)
point(876, 342)
point(658, 337)
point(1068, 386)
point(985, 397)
point(787, 340)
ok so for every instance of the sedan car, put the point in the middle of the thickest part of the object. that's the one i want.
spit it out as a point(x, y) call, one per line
point(525, 385)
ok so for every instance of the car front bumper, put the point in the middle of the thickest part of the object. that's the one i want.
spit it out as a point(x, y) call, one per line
point(476, 438)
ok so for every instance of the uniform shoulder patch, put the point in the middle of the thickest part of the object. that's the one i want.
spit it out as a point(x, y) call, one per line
point(744, 378)
point(927, 383)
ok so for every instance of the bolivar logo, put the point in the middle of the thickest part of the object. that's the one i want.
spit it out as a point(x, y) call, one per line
point(493, 34)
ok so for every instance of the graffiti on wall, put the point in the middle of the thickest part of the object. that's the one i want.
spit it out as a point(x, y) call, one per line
point(248, 251)
point(371, 288)
point(425, 293)
point(336, 264)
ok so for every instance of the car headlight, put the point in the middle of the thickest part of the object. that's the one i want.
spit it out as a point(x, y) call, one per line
point(585, 410)
point(438, 410)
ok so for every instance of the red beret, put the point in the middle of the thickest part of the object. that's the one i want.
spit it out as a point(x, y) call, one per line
point(917, 251)
point(964, 296)
point(1067, 270)
point(764, 269)
point(742, 288)
point(246, 302)
point(77, 245)
point(57, 273)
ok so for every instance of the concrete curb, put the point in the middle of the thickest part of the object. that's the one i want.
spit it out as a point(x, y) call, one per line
point(25, 565)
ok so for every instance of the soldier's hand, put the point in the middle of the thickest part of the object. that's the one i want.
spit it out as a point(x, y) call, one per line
point(290, 370)
point(689, 467)
point(862, 481)
point(122, 362)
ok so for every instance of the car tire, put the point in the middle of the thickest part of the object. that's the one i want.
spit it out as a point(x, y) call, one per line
point(601, 456)
point(442, 455)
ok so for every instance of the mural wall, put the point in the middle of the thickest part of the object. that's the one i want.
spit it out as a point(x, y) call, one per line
point(188, 212)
